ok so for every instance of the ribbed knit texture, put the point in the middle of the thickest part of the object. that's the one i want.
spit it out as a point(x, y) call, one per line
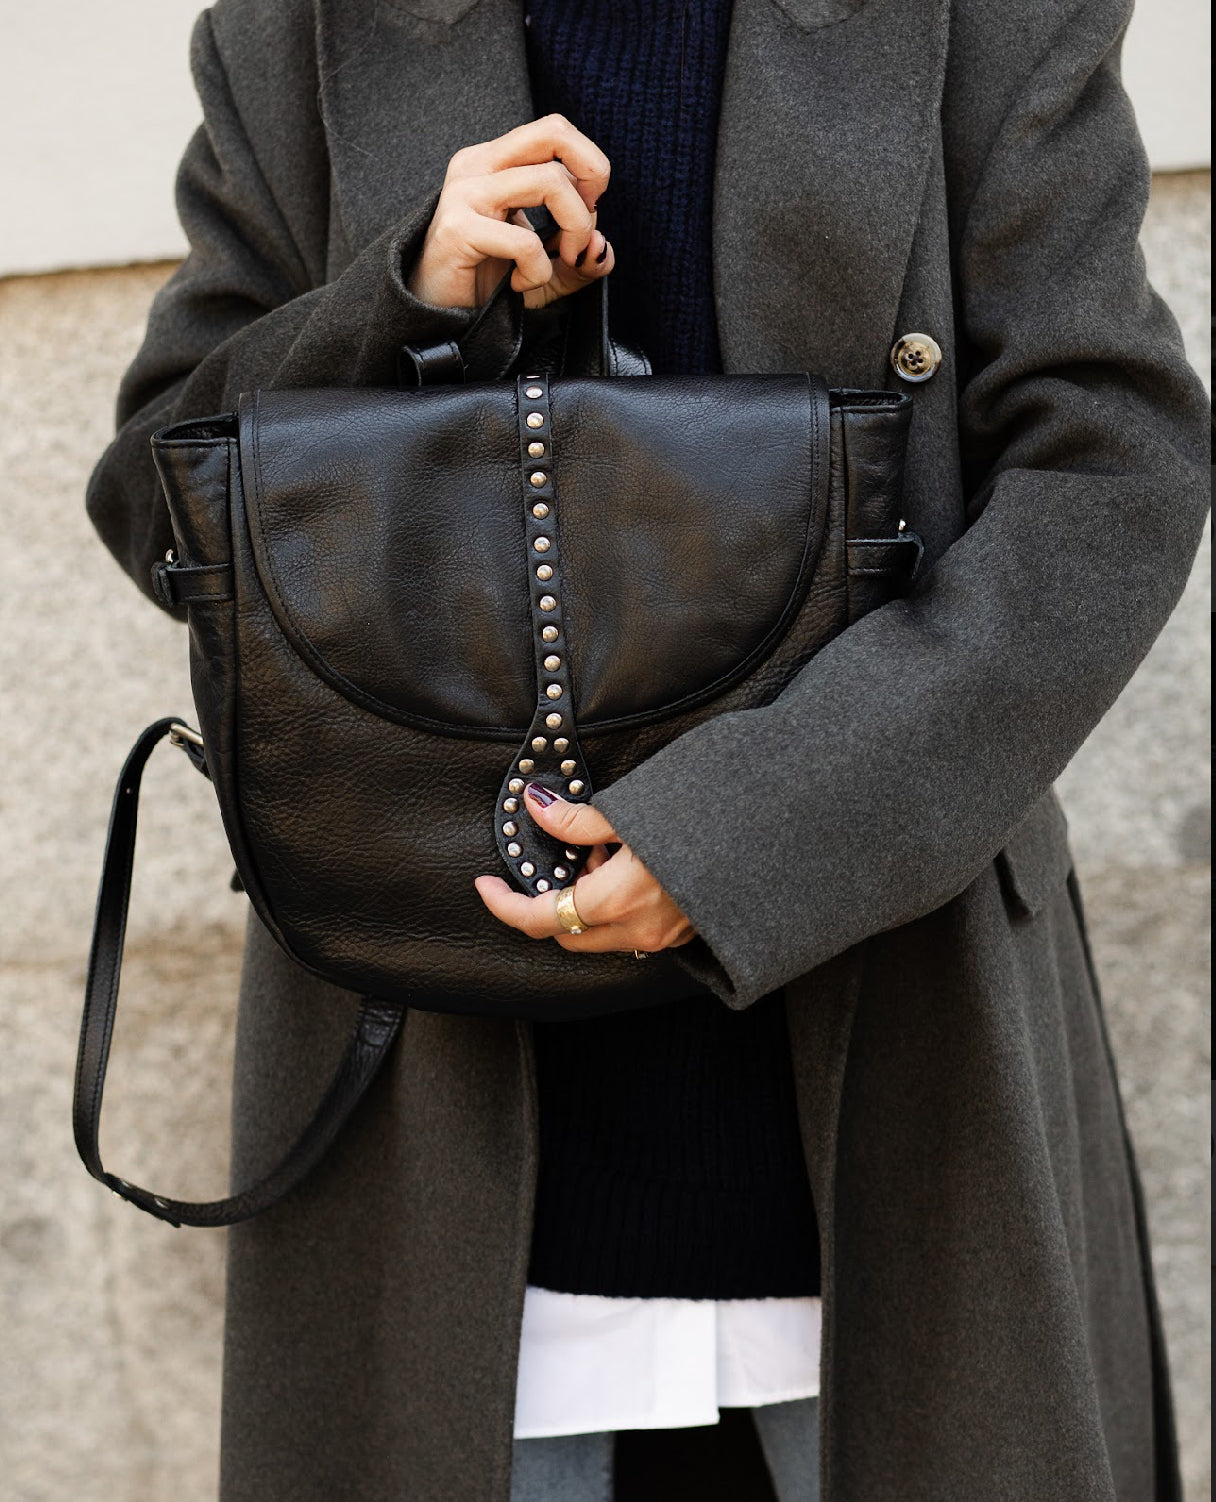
point(643, 79)
point(670, 1158)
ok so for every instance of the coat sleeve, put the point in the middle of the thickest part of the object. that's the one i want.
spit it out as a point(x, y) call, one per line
point(899, 760)
point(249, 306)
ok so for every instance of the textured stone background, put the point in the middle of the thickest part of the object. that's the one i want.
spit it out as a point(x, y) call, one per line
point(109, 1356)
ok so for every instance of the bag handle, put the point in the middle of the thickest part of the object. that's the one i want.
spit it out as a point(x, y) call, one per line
point(375, 1028)
point(588, 347)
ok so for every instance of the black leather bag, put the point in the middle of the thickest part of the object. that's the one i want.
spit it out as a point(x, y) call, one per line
point(404, 604)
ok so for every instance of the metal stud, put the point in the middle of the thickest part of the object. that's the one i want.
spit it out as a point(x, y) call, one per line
point(542, 885)
point(510, 805)
point(553, 662)
point(571, 855)
point(544, 572)
point(560, 743)
point(553, 721)
point(560, 872)
point(539, 743)
point(536, 450)
point(549, 633)
point(538, 478)
point(517, 784)
point(554, 691)
point(576, 787)
point(527, 869)
point(515, 851)
point(533, 391)
point(527, 765)
point(540, 511)
point(547, 602)
point(569, 768)
point(541, 544)
point(510, 828)
point(535, 419)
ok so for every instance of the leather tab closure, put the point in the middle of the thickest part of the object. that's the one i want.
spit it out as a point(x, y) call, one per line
point(189, 584)
point(550, 753)
point(889, 557)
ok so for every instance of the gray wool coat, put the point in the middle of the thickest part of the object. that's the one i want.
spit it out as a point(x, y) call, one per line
point(882, 839)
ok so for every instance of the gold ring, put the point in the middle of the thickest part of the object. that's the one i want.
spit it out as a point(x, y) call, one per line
point(567, 913)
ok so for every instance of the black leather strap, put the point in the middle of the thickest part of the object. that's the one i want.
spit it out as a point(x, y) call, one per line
point(375, 1028)
point(889, 557)
point(176, 583)
point(588, 348)
point(550, 753)
point(430, 364)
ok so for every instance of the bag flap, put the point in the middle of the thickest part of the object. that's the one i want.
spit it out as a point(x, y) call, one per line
point(388, 533)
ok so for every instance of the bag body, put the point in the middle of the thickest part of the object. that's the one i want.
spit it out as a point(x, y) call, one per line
point(369, 636)
point(406, 604)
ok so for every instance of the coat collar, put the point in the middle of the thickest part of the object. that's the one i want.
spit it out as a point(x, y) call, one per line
point(829, 117)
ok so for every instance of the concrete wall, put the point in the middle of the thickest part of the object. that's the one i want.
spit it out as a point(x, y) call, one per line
point(97, 98)
point(109, 1357)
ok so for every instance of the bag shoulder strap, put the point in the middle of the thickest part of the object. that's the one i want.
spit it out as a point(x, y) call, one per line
point(375, 1028)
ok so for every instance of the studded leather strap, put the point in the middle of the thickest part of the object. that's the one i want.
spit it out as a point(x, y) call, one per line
point(550, 753)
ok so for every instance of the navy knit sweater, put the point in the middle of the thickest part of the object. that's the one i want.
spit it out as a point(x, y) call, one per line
point(670, 1159)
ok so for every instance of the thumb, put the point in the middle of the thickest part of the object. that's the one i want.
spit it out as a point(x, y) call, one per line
point(575, 823)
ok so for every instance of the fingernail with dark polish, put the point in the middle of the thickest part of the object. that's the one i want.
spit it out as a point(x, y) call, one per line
point(539, 794)
point(582, 255)
point(602, 253)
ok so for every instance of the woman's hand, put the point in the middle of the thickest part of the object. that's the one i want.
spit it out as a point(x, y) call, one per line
point(621, 904)
point(478, 229)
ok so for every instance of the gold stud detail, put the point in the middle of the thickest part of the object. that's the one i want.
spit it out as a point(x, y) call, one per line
point(568, 767)
point(538, 478)
point(553, 721)
point(514, 851)
point(554, 691)
point(576, 787)
point(539, 743)
point(560, 743)
point(527, 869)
point(553, 662)
point(548, 633)
point(541, 544)
point(545, 572)
point(536, 450)
point(533, 392)
point(535, 419)
point(540, 511)
point(516, 784)
point(510, 828)
point(547, 602)
point(542, 885)
point(560, 872)
point(527, 765)
point(510, 805)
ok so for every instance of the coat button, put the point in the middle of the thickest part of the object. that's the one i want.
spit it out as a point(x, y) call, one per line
point(915, 357)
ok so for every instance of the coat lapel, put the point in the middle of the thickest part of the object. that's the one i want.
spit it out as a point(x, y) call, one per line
point(404, 86)
point(825, 136)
